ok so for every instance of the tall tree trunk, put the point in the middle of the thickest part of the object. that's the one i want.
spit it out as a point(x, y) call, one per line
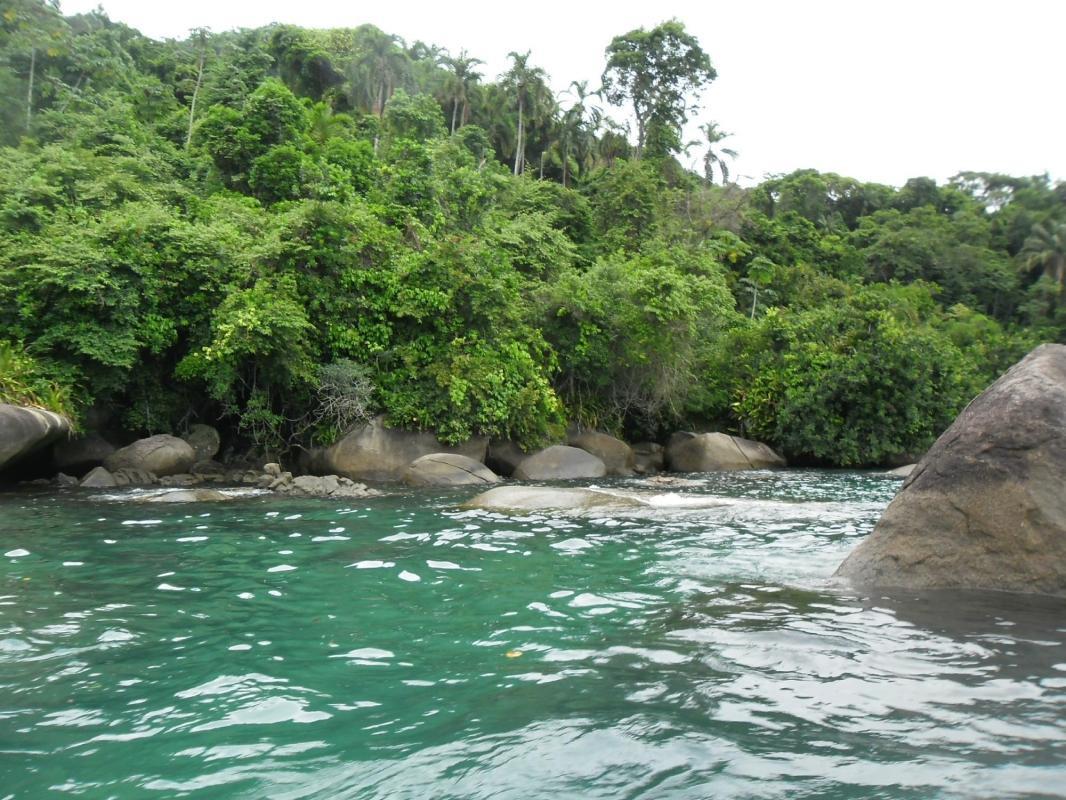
point(455, 112)
point(542, 154)
point(519, 144)
point(195, 94)
point(29, 90)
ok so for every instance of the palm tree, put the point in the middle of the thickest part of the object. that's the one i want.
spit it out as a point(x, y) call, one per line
point(1045, 249)
point(379, 66)
point(713, 136)
point(459, 83)
point(529, 86)
point(324, 124)
point(577, 127)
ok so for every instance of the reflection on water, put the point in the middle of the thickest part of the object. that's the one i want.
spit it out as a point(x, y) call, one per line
point(402, 647)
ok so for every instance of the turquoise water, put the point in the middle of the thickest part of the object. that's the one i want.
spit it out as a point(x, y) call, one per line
point(401, 647)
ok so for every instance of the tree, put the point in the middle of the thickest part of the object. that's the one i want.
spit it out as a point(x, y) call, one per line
point(713, 136)
point(577, 127)
point(1045, 249)
point(529, 87)
point(324, 125)
point(378, 67)
point(657, 71)
point(201, 41)
point(460, 81)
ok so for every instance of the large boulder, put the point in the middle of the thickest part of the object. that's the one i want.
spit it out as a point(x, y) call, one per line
point(161, 455)
point(23, 430)
point(204, 439)
point(986, 507)
point(81, 454)
point(711, 452)
point(615, 454)
point(547, 498)
point(560, 462)
point(448, 469)
point(373, 452)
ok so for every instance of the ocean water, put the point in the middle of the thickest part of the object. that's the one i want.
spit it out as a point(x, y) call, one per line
point(403, 647)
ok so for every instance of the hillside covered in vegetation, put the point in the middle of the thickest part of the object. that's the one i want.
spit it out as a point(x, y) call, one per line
point(286, 230)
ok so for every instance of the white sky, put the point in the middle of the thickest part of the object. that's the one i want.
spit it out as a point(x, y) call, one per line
point(880, 91)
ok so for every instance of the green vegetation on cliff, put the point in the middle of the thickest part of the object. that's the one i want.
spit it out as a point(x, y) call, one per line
point(288, 229)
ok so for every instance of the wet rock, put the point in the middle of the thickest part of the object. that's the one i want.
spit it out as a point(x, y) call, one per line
point(23, 430)
point(184, 479)
point(711, 452)
point(616, 455)
point(985, 508)
point(447, 469)
point(185, 496)
point(648, 458)
point(375, 452)
point(902, 472)
point(161, 455)
point(273, 469)
point(209, 470)
point(62, 479)
point(204, 440)
point(98, 478)
point(129, 476)
point(325, 486)
point(537, 498)
point(560, 462)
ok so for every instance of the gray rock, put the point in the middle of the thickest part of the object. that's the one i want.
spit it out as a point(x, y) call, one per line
point(62, 479)
point(986, 507)
point(161, 455)
point(902, 472)
point(129, 476)
point(711, 452)
point(23, 430)
point(374, 452)
point(273, 469)
point(325, 486)
point(184, 479)
point(537, 498)
point(204, 440)
point(448, 469)
point(649, 457)
point(560, 462)
point(185, 496)
point(81, 453)
point(284, 479)
point(615, 454)
point(503, 456)
point(98, 478)
point(209, 470)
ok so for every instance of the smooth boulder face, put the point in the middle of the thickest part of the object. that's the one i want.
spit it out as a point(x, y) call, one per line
point(615, 454)
point(98, 478)
point(23, 430)
point(538, 498)
point(161, 455)
point(986, 507)
point(205, 440)
point(560, 462)
point(712, 452)
point(373, 452)
point(448, 469)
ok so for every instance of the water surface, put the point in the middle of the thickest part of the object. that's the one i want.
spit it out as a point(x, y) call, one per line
point(401, 647)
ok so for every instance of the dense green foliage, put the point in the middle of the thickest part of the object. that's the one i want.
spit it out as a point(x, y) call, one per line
point(289, 230)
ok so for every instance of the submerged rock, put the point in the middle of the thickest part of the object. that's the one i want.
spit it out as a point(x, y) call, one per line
point(535, 498)
point(616, 455)
point(161, 455)
point(374, 452)
point(23, 430)
point(986, 507)
point(185, 496)
point(712, 452)
point(560, 462)
point(447, 469)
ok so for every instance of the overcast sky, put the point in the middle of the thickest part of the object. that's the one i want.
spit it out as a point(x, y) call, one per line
point(881, 91)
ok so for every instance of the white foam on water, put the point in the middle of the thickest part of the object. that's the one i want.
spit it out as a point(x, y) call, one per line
point(409, 576)
point(142, 522)
point(18, 553)
point(282, 568)
point(372, 564)
point(191, 539)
